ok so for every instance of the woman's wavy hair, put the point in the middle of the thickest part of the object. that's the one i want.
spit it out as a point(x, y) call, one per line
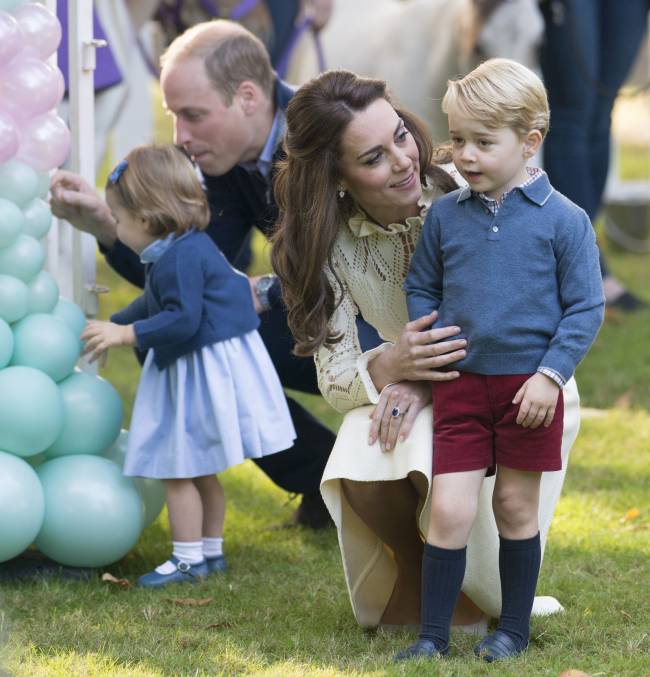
point(306, 192)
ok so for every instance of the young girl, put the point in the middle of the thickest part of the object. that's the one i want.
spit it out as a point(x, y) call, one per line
point(208, 397)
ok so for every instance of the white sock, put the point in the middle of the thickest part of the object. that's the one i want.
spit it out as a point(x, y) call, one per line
point(212, 547)
point(186, 551)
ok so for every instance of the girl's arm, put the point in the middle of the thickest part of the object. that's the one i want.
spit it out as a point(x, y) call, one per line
point(136, 310)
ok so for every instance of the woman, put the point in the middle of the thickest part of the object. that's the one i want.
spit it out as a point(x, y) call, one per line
point(589, 49)
point(353, 191)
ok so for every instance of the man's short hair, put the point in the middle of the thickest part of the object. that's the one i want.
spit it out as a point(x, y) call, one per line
point(231, 55)
point(501, 93)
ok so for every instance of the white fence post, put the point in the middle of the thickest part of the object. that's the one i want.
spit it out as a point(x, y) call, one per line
point(71, 254)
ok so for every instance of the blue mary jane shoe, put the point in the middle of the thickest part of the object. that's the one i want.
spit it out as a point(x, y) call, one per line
point(423, 648)
point(185, 573)
point(216, 564)
point(498, 646)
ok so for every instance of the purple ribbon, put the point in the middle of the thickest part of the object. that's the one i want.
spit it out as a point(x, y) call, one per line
point(283, 62)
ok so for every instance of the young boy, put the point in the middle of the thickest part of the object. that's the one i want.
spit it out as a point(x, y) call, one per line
point(514, 264)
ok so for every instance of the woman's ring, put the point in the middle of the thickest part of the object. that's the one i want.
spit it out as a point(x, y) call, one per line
point(395, 413)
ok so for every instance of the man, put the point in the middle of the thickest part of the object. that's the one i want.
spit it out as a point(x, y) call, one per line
point(228, 111)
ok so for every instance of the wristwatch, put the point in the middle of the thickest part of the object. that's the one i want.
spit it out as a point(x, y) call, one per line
point(262, 287)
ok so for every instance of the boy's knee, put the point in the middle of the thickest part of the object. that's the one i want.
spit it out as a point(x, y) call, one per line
point(452, 515)
point(513, 508)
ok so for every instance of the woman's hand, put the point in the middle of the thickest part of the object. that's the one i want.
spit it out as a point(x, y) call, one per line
point(419, 354)
point(407, 400)
point(100, 336)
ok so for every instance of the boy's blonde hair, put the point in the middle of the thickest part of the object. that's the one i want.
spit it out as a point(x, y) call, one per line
point(160, 185)
point(230, 52)
point(501, 93)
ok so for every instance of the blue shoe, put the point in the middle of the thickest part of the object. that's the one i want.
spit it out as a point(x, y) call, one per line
point(216, 564)
point(498, 646)
point(423, 648)
point(185, 573)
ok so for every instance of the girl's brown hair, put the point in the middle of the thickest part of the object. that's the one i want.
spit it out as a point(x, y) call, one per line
point(160, 185)
point(306, 191)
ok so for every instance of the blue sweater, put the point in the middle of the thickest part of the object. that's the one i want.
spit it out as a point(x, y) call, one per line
point(524, 286)
point(192, 298)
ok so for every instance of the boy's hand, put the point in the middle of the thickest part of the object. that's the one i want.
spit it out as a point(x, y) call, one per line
point(100, 336)
point(538, 397)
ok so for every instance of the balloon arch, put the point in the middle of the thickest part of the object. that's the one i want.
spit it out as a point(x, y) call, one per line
point(61, 449)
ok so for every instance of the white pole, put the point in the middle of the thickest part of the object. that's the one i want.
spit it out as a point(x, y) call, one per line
point(71, 254)
point(81, 60)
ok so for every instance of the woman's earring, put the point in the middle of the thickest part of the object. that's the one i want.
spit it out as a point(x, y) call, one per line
point(341, 193)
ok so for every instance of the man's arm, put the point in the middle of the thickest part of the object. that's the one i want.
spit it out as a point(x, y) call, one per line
point(75, 201)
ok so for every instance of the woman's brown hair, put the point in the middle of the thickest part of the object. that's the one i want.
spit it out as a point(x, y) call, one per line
point(160, 185)
point(306, 192)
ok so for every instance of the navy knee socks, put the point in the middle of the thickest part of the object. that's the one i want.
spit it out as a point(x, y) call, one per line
point(442, 575)
point(519, 563)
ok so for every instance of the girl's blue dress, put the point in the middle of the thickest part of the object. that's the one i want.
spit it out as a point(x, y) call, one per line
point(209, 410)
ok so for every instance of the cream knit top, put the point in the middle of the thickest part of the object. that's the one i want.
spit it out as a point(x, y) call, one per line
point(371, 262)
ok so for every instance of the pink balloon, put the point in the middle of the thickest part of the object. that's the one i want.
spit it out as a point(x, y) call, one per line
point(45, 142)
point(29, 87)
point(41, 30)
point(9, 137)
point(11, 38)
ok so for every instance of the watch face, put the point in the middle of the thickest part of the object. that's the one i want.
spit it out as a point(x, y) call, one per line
point(264, 283)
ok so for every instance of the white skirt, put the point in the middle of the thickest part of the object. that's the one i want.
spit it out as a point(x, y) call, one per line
point(209, 410)
point(370, 571)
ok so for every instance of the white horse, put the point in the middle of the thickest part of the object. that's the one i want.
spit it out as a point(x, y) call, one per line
point(417, 45)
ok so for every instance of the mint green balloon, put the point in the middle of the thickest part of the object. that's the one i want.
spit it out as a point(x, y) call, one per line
point(14, 296)
point(6, 344)
point(43, 293)
point(38, 218)
point(152, 491)
point(22, 506)
point(22, 259)
point(31, 411)
point(45, 342)
point(43, 184)
point(12, 222)
point(10, 5)
point(93, 415)
point(93, 515)
point(18, 182)
point(71, 314)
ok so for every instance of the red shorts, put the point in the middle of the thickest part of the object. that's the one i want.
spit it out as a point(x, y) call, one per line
point(475, 426)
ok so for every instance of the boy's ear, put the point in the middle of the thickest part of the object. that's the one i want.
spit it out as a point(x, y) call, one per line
point(532, 142)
